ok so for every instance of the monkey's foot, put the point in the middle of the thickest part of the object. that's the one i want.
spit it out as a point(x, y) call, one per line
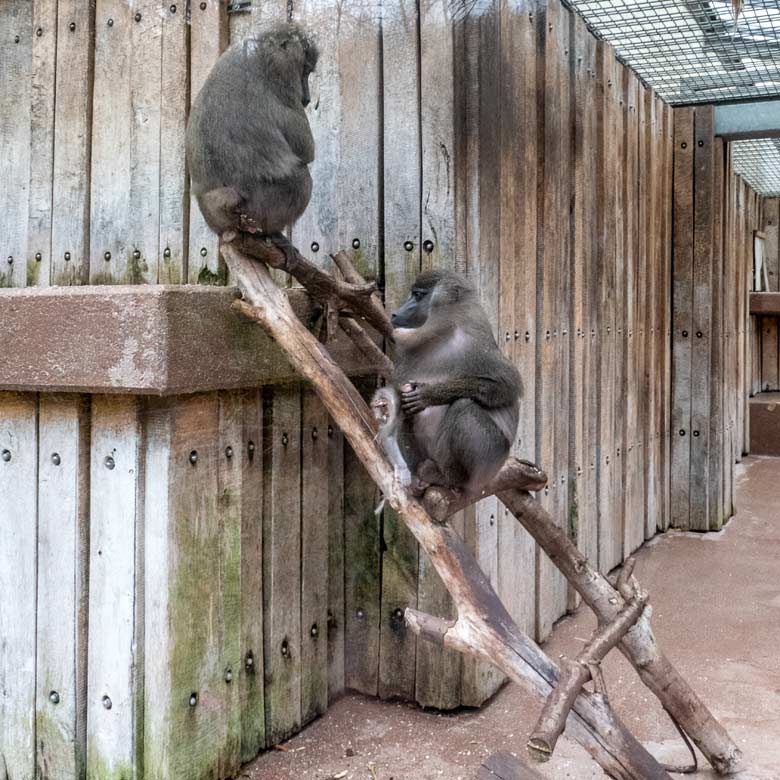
point(228, 236)
point(284, 244)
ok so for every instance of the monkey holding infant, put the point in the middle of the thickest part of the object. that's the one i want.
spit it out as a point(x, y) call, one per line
point(451, 412)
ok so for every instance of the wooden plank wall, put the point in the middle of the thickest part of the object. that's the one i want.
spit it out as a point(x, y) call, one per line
point(714, 341)
point(508, 144)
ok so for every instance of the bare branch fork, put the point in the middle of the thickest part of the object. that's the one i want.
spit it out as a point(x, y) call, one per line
point(483, 627)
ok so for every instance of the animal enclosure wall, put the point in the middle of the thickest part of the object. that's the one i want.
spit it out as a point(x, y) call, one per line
point(765, 375)
point(508, 144)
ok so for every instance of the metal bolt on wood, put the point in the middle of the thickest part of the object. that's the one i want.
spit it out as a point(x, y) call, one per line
point(109, 463)
point(54, 697)
point(228, 675)
point(55, 459)
point(356, 243)
point(249, 662)
point(194, 457)
point(6, 455)
point(314, 631)
point(228, 451)
point(107, 703)
point(193, 699)
point(315, 247)
point(38, 256)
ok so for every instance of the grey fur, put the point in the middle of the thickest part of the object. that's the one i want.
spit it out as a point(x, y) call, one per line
point(458, 393)
point(249, 143)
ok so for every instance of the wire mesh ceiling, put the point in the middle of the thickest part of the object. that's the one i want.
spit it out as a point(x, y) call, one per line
point(759, 164)
point(694, 51)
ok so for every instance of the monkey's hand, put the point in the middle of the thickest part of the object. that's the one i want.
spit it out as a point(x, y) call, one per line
point(413, 399)
point(403, 475)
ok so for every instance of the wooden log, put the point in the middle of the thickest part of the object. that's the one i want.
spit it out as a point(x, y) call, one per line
point(483, 626)
point(575, 674)
point(505, 766)
point(639, 645)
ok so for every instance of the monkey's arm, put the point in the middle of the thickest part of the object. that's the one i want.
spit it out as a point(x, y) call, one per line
point(490, 392)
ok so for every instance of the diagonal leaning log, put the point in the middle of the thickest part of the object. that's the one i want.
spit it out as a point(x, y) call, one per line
point(483, 627)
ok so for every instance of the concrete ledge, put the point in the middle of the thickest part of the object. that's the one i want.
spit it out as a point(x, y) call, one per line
point(765, 303)
point(158, 340)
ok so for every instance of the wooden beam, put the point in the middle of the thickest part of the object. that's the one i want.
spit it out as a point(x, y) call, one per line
point(159, 340)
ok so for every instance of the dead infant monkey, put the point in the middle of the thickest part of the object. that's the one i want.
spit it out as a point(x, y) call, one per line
point(249, 143)
point(457, 393)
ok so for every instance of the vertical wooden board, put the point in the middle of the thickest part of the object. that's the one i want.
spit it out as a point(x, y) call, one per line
point(717, 454)
point(72, 143)
point(208, 37)
point(401, 148)
point(250, 675)
point(629, 388)
point(682, 317)
point(402, 258)
point(174, 197)
point(565, 184)
point(653, 326)
point(728, 326)
point(520, 61)
point(769, 352)
point(551, 592)
point(438, 671)
point(282, 563)
point(479, 681)
point(314, 558)
point(360, 135)
point(336, 562)
point(362, 575)
point(63, 553)
point(316, 232)
point(669, 148)
point(112, 130)
point(44, 58)
point(771, 220)
point(116, 630)
point(588, 535)
point(578, 446)
point(610, 538)
point(702, 317)
point(18, 566)
point(16, 45)
point(126, 136)
point(192, 557)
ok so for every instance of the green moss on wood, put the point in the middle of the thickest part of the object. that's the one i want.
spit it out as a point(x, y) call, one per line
point(101, 768)
point(6, 279)
point(33, 273)
point(207, 276)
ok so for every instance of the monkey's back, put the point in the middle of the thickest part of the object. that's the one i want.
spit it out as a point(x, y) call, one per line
point(240, 135)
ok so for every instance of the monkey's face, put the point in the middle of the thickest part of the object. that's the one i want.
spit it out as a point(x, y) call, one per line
point(415, 310)
point(296, 59)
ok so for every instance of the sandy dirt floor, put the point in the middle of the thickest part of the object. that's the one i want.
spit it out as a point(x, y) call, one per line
point(716, 601)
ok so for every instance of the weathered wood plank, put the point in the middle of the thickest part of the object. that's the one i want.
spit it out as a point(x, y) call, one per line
point(125, 183)
point(669, 148)
point(174, 198)
point(438, 672)
point(18, 566)
point(519, 60)
point(16, 45)
point(682, 317)
point(115, 695)
point(193, 566)
point(769, 353)
point(250, 676)
point(402, 263)
point(281, 563)
point(314, 558)
point(336, 562)
point(551, 591)
point(634, 243)
point(63, 558)
point(72, 142)
point(43, 76)
point(208, 37)
point(771, 220)
point(362, 561)
point(610, 538)
point(701, 318)
point(716, 437)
